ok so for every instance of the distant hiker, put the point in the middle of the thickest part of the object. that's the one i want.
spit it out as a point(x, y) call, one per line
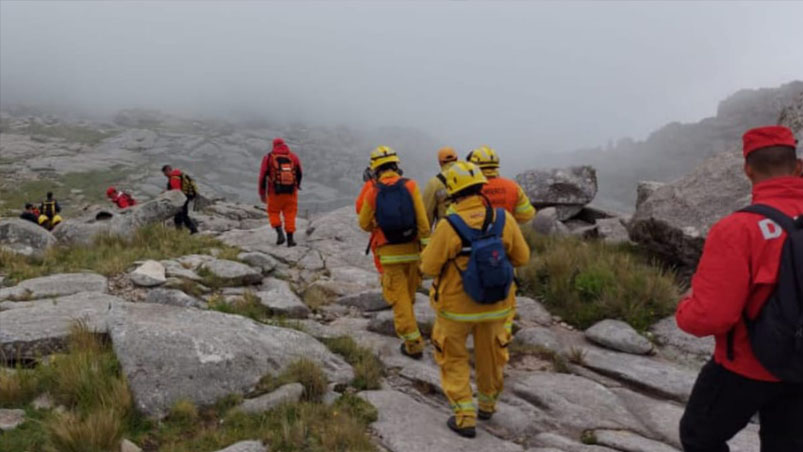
point(747, 293)
point(279, 182)
point(435, 198)
point(176, 180)
point(30, 214)
point(49, 210)
point(471, 255)
point(502, 192)
point(122, 199)
point(393, 211)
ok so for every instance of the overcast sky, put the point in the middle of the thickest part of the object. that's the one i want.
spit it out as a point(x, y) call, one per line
point(520, 76)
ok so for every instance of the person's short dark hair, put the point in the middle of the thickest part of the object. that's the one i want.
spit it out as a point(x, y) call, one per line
point(166, 167)
point(50, 195)
point(28, 206)
point(469, 191)
point(773, 160)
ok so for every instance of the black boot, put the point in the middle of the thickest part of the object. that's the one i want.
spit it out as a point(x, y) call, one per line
point(290, 242)
point(465, 432)
point(279, 236)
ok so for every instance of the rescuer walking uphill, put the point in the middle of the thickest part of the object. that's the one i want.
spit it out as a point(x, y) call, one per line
point(279, 182)
point(471, 256)
point(436, 201)
point(747, 293)
point(393, 211)
point(176, 180)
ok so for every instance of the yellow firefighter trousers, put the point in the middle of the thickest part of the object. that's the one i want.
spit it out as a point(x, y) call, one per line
point(399, 285)
point(491, 354)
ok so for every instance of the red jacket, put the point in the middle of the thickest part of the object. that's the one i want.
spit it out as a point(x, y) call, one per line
point(123, 200)
point(737, 272)
point(266, 171)
point(174, 180)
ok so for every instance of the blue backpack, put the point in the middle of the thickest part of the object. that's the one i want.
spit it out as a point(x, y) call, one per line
point(395, 213)
point(489, 275)
point(776, 334)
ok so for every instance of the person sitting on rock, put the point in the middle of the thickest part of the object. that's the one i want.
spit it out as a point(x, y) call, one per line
point(435, 199)
point(176, 180)
point(462, 310)
point(50, 209)
point(735, 284)
point(122, 199)
point(393, 212)
point(30, 214)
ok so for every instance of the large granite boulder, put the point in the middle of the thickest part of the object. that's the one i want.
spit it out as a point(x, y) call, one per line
point(574, 186)
point(57, 285)
point(43, 327)
point(24, 237)
point(169, 353)
point(122, 223)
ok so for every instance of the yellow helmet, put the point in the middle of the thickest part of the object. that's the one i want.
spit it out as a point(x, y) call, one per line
point(382, 155)
point(484, 157)
point(462, 175)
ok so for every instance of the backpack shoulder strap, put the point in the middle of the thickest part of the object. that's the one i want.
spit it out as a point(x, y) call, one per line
point(773, 214)
point(462, 229)
point(499, 223)
point(441, 178)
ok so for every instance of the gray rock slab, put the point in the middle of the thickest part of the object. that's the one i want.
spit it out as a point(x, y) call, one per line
point(43, 328)
point(148, 274)
point(169, 353)
point(546, 222)
point(625, 441)
point(424, 315)
point(233, 273)
point(56, 286)
point(194, 261)
point(11, 419)
point(682, 346)
point(574, 403)
point(538, 336)
point(367, 301)
point(532, 311)
point(552, 441)
point(277, 296)
point(174, 269)
point(667, 379)
point(405, 425)
point(173, 297)
point(285, 394)
point(618, 335)
point(24, 237)
point(259, 260)
point(246, 446)
point(612, 230)
point(574, 186)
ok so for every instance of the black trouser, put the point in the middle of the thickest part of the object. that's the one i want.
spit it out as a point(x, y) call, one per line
point(183, 217)
point(722, 403)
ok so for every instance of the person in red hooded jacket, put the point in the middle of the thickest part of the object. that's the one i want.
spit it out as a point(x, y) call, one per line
point(176, 180)
point(736, 275)
point(279, 182)
point(122, 199)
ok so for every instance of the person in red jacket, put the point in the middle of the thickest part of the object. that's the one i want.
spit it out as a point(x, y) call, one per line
point(279, 182)
point(736, 275)
point(176, 180)
point(122, 199)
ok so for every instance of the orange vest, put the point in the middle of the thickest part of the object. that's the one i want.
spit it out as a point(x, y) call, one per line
point(502, 193)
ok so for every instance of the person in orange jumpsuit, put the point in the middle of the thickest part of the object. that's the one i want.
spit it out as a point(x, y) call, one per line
point(279, 183)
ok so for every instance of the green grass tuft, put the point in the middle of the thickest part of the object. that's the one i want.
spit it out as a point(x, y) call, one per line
point(587, 281)
point(368, 369)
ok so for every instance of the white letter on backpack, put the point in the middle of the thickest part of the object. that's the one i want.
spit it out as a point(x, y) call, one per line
point(770, 229)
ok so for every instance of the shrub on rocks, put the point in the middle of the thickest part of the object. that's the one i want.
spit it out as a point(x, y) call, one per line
point(368, 369)
point(587, 281)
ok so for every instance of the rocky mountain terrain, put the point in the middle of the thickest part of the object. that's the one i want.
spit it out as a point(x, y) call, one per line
point(605, 389)
point(676, 149)
point(79, 158)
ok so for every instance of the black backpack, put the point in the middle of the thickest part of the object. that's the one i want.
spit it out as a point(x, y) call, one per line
point(395, 213)
point(776, 334)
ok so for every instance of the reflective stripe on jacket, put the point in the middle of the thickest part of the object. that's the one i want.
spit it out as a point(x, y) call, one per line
point(441, 260)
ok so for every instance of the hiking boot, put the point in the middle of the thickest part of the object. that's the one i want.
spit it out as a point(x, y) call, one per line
point(415, 356)
point(465, 432)
point(484, 415)
point(290, 242)
point(279, 236)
